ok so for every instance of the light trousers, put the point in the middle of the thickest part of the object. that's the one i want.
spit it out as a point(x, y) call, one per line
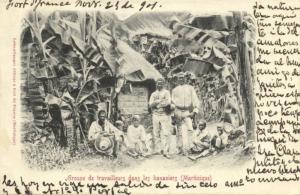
point(162, 128)
point(184, 130)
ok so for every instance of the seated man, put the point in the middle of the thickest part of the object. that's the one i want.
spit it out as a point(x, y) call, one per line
point(136, 139)
point(201, 143)
point(219, 141)
point(102, 128)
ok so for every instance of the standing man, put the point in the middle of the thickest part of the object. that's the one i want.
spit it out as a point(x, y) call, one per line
point(186, 103)
point(160, 102)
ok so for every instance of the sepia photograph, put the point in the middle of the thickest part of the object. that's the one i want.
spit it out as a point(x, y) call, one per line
point(153, 90)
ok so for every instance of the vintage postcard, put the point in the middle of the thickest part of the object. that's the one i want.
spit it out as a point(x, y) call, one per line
point(149, 97)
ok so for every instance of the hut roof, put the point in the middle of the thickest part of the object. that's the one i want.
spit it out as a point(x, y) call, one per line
point(123, 60)
point(153, 23)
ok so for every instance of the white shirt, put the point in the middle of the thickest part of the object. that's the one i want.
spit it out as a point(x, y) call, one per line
point(136, 134)
point(224, 138)
point(96, 129)
point(199, 135)
point(163, 98)
point(185, 97)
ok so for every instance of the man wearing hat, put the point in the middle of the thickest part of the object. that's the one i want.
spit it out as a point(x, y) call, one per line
point(160, 102)
point(186, 103)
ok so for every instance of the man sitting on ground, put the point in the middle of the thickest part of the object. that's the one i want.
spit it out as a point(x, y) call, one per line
point(102, 127)
point(201, 143)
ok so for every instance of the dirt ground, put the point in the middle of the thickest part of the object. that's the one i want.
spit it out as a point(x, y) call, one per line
point(95, 162)
point(232, 156)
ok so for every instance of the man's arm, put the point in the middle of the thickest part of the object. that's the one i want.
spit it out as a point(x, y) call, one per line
point(115, 131)
point(173, 96)
point(143, 133)
point(152, 102)
point(166, 101)
point(195, 101)
point(92, 132)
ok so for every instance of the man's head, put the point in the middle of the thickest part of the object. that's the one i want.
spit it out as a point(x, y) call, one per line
point(119, 125)
point(160, 84)
point(202, 125)
point(220, 130)
point(136, 120)
point(180, 78)
point(101, 116)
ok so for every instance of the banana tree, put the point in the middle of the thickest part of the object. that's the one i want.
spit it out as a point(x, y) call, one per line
point(75, 105)
point(78, 34)
point(37, 25)
point(91, 63)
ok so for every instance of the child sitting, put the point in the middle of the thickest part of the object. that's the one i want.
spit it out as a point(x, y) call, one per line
point(219, 141)
point(136, 139)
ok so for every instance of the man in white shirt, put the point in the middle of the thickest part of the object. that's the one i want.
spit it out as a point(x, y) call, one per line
point(186, 103)
point(202, 142)
point(103, 126)
point(201, 137)
point(160, 102)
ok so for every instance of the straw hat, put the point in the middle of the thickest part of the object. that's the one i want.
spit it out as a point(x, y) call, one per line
point(104, 144)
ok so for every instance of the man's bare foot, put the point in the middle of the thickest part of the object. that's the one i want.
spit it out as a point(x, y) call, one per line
point(167, 156)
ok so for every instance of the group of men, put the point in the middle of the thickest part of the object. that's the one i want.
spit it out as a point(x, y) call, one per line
point(182, 105)
point(170, 111)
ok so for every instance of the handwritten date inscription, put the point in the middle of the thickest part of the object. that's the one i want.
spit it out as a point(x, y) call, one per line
point(101, 4)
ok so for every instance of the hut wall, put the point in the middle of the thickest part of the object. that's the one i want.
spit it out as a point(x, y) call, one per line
point(135, 102)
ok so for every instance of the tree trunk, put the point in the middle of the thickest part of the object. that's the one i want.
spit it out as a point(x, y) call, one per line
point(246, 86)
point(74, 145)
